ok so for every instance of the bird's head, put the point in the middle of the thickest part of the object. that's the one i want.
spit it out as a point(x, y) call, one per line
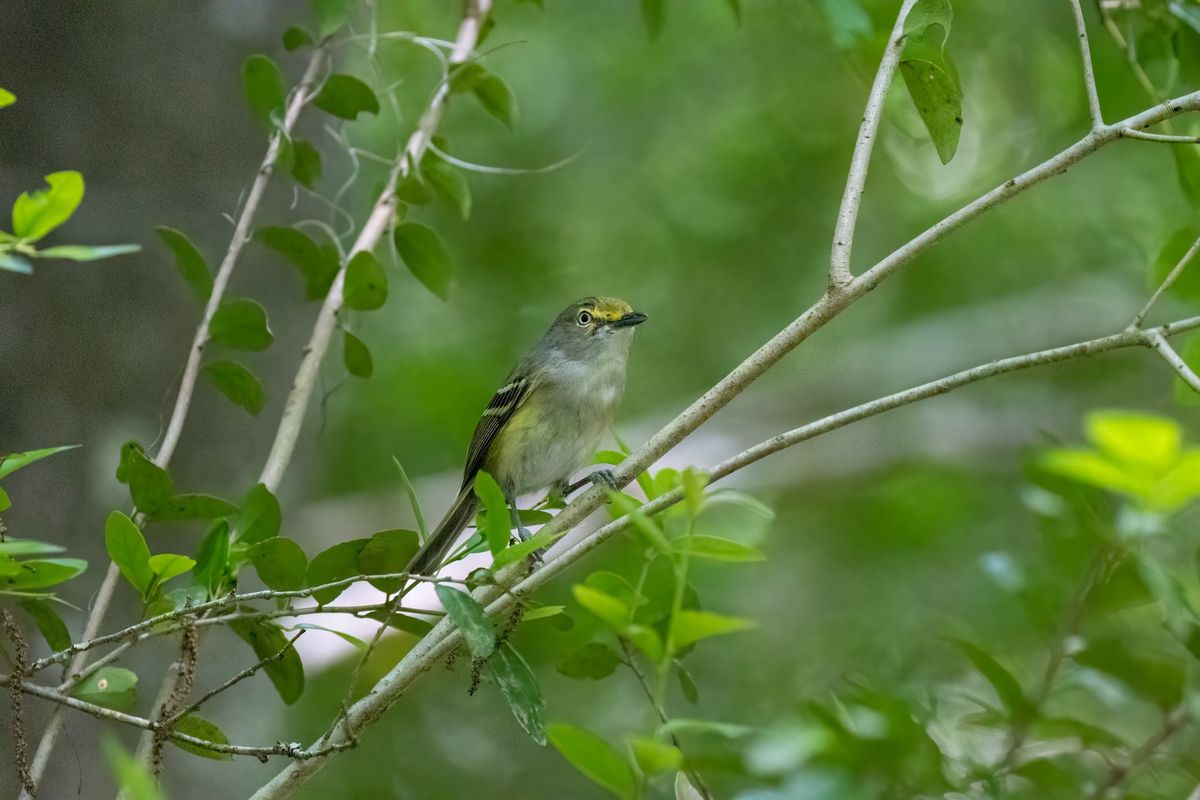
point(594, 324)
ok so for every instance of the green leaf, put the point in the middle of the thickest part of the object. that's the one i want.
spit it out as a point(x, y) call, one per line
point(450, 183)
point(5, 503)
point(521, 550)
point(366, 283)
point(168, 565)
point(318, 266)
point(497, 525)
point(280, 563)
point(7, 98)
point(848, 21)
point(602, 763)
point(334, 564)
point(687, 685)
point(345, 96)
point(595, 661)
point(654, 14)
point(426, 256)
point(27, 547)
point(647, 529)
point(14, 461)
point(612, 611)
point(387, 552)
point(267, 639)
point(128, 550)
point(85, 252)
point(237, 383)
point(260, 518)
point(48, 623)
point(1005, 685)
point(296, 37)
point(717, 549)
point(520, 689)
point(242, 325)
point(1156, 677)
point(357, 356)
point(1187, 285)
point(212, 559)
point(198, 726)
point(1140, 441)
point(353, 641)
point(938, 99)
point(109, 687)
point(306, 167)
point(134, 779)
point(402, 622)
point(1187, 170)
point(543, 612)
point(468, 615)
point(492, 92)
point(655, 757)
point(263, 84)
point(927, 14)
point(10, 262)
point(331, 16)
point(42, 573)
point(190, 262)
point(154, 493)
point(691, 626)
point(37, 213)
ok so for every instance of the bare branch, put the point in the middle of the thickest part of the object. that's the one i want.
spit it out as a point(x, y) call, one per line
point(299, 97)
point(860, 161)
point(1089, 75)
point(1164, 349)
point(1170, 138)
point(234, 681)
point(1167, 283)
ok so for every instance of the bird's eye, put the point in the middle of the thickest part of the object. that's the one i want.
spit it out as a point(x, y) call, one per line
point(585, 318)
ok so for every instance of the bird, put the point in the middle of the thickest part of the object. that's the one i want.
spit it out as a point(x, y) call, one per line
point(544, 423)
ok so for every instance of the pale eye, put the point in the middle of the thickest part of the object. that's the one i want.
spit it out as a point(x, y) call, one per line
point(585, 318)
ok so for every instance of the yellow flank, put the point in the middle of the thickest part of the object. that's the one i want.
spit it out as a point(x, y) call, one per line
point(503, 459)
point(610, 309)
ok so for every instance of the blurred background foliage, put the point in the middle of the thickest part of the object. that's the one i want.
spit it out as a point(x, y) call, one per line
point(707, 165)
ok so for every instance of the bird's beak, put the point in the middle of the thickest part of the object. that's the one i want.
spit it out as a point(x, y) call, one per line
point(629, 320)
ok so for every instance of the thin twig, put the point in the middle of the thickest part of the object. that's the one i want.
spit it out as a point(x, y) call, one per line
point(234, 681)
point(1089, 74)
point(860, 161)
point(1169, 138)
point(1167, 283)
point(1164, 349)
point(1172, 723)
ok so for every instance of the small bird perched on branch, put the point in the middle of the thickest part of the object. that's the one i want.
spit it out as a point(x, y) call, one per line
point(544, 423)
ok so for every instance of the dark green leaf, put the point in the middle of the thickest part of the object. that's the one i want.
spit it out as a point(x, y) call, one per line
point(929, 14)
point(48, 622)
point(110, 687)
point(402, 622)
point(212, 559)
point(35, 214)
point(492, 92)
point(237, 383)
point(14, 461)
point(296, 37)
point(267, 640)
point(357, 356)
point(260, 518)
point(497, 526)
point(468, 615)
point(199, 727)
point(366, 283)
point(264, 87)
point(128, 550)
point(426, 256)
point(345, 96)
point(520, 689)
point(686, 684)
point(938, 99)
point(306, 166)
point(450, 183)
point(85, 252)
point(318, 266)
point(595, 661)
point(1156, 677)
point(1005, 685)
point(1187, 169)
point(242, 325)
point(602, 763)
point(654, 13)
point(335, 564)
point(280, 563)
point(387, 552)
point(190, 262)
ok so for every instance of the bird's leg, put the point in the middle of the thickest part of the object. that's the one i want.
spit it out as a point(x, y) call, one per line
point(522, 533)
point(602, 477)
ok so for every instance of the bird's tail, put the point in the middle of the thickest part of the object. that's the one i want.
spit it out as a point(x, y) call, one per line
point(427, 559)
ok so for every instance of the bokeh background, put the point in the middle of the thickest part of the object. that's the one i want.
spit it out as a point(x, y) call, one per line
point(708, 166)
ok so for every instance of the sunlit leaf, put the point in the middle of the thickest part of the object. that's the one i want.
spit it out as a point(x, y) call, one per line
point(655, 757)
point(497, 526)
point(602, 763)
point(717, 549)
point(85, 252)
point(165, 566)
point(14, 461)
point(36, 213)
point(7, 98)
point(1133, 439)
point(692, 626)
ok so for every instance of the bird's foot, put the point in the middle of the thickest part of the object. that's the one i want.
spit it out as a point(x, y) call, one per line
point(603, 478)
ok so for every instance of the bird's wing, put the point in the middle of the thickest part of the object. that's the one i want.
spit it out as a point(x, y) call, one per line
point(504, 403)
